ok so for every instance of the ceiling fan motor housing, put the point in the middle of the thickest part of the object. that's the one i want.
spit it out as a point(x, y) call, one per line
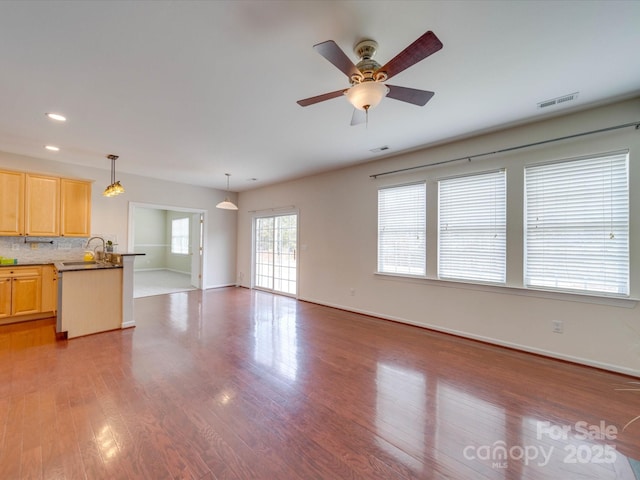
point(366, 50)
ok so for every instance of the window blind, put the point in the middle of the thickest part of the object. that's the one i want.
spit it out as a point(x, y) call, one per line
point(402, 229)
point(472, 228)
point(577, 225)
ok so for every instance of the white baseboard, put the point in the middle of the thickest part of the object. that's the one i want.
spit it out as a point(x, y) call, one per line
point(493, 341)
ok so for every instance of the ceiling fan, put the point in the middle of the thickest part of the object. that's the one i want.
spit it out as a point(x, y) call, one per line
point(367, 76)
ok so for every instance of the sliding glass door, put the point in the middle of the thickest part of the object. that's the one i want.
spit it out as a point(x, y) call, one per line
point(275, 253)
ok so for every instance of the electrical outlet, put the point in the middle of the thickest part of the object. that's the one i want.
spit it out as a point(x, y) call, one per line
point(15, 246)
point(558, 326)
point(34, 246)
point(352, 291)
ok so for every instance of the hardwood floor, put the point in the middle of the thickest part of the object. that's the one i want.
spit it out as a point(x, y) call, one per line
point(239, 384)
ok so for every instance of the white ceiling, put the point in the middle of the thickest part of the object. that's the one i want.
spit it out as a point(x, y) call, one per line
point(188, 91)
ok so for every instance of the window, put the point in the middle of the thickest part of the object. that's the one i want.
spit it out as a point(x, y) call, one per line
point(577, 225)
point(402, 229)
point(180, 236)
point(472, 226)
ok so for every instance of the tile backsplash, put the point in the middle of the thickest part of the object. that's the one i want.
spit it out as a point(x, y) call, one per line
point(47, 249)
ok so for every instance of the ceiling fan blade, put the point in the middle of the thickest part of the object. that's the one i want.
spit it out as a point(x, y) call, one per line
point(320, 98)
point(424, 46)
point(332, 52)
point(410, 95)
point(359, 117)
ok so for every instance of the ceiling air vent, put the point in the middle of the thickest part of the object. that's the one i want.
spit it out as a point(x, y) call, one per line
point(379, 149)
point(557, 101)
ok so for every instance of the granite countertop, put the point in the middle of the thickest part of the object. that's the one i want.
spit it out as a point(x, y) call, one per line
point(78, 266)
point(65, 265)
point(68, 265)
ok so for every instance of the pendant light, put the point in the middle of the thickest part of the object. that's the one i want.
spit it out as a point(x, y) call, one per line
point(115, 188)
point(227, 204)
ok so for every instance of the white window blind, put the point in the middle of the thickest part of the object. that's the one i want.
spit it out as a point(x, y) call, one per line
point(577, 225)
point(402, 229)
point(472, 226)
point(180, 236)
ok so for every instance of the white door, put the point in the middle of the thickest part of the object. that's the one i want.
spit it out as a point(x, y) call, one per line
point(275, 253)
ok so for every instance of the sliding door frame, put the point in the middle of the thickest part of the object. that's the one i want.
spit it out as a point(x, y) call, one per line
point(254, 221)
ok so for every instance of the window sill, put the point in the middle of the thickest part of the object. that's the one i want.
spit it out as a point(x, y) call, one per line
point(514, 290)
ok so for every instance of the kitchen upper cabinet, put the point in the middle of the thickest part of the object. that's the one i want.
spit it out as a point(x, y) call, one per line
point(42, 206)
point(11, 203)
point(20, 291)
point(75, 208)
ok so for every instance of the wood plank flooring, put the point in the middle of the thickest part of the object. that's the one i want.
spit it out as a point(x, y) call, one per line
point(239, 384)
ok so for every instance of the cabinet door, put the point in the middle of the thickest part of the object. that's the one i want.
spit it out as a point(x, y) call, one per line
point(5, 297)
point(49, 288)
point(75, 208)
point(26, 295)
point(42, 206)
point(11, 203)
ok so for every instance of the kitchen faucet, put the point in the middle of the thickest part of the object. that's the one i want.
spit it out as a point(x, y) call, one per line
point(104, 250)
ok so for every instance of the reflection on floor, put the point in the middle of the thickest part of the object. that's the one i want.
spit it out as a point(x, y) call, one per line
point(160, 282)
point(232, 383)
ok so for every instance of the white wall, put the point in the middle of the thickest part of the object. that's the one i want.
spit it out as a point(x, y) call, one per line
point(150, 237)
point(338, 242)
point(110, 215)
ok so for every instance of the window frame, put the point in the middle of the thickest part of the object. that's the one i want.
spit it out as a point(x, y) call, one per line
point(179, 241)
point(413, 263)
point(491, 267)
point(622, 245)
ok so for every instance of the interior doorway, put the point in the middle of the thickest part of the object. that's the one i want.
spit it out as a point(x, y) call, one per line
point(172, 240)
point(275, 251)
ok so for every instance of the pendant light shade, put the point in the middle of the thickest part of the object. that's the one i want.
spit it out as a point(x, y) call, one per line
point(227, 204)
point(115, 188)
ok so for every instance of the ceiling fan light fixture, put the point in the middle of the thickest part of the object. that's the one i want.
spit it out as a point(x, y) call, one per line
point(366, 95)
point(227, 204)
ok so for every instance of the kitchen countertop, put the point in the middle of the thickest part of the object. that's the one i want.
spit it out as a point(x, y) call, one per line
point(78, 266)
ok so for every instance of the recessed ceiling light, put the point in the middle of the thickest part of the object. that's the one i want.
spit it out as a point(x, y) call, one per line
point(53, 148)
point(57, 117)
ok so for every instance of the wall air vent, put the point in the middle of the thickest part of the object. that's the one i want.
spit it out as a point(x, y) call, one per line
point(557, 101)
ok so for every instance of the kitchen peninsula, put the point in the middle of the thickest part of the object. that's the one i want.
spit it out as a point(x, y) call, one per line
point(95, 297)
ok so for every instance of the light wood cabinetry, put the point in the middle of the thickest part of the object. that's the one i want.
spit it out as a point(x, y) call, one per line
point(75, 208)
point(42, 206)
point(5, 297)
point(11, 203)
point(49, 289)
point(20, 291)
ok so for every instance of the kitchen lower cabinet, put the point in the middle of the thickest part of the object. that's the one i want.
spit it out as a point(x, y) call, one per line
point(49, 288)
point(20, 291)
